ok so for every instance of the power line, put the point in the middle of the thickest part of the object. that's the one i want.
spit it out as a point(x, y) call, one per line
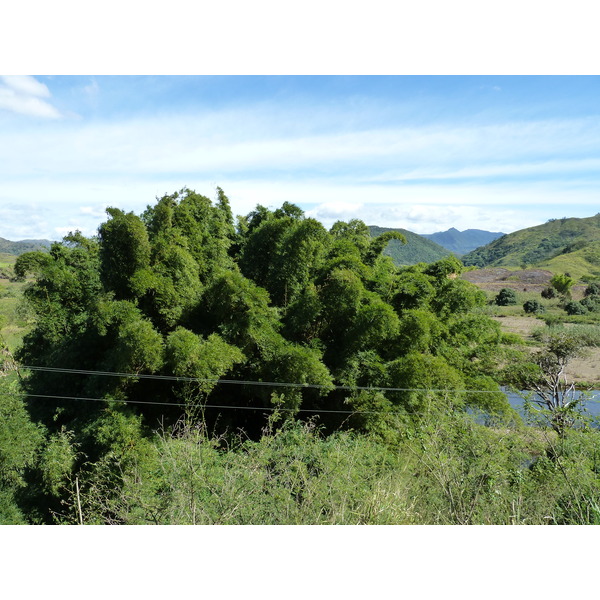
point(234, 382)
point(249, 382)
point(217, 406)
point(198, 405)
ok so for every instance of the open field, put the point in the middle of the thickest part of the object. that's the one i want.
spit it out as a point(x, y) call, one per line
point(12, 325)
point(528, 284)
point(523, 280)
point(585, 369)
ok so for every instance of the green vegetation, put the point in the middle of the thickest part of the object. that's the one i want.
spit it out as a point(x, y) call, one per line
point(534, 306)
point(562, 283)
point(183, 367)
point(16, 248)
point(560, 245)
point(13, 317)
point(418, 249)
point(506, 297)
point(446, 469)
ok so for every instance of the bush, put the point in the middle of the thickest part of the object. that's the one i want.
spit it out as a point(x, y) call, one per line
point(506, 297)
point(592, 303)
point(575, 308)
point(549, 293)
point(563, 284)
point(533, 306)
point(592, 290)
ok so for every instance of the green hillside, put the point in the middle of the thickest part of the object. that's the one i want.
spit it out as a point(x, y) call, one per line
point(559, 245)
point(16, 248)
point(417, 248)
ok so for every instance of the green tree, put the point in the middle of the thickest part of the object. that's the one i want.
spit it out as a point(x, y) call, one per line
point(444, 268)
point(429, 384)
point(506, 297)
point(562, 283)
point(457, 296)
point(534, 306)
point(378, 244)
point(20, 443)
point(546, 376)
point(189, 355)
point(124, 249)
point(412, 290)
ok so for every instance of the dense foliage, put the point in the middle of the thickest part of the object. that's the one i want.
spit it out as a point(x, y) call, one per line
point(506, 297)
point(145, 326)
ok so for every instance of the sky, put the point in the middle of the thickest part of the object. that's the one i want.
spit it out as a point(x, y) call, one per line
point(424, 153)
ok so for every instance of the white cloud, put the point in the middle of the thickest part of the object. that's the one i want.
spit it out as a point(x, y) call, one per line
point(93, 211)
point(27, 85)
point(388, 177)
point(23, 95)
point(236, 142)
point(508, 169)
point(62, 231)
point(419, 208)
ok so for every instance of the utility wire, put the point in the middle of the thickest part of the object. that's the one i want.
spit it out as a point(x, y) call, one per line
point(198, 405)
point(234, 382)
point(256, 383)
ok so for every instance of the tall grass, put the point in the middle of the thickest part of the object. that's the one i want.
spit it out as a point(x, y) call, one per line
point(446, 470)
point(587, 334)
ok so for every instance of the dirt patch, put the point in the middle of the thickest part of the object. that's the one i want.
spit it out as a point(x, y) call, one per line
point(586, 368)
point(500, 275)
point(525, 280)
point(520, 325)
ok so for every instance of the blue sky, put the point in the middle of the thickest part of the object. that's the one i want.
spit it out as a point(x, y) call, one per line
point(420, 152)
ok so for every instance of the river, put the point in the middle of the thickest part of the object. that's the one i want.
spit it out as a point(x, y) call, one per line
point(591, 404)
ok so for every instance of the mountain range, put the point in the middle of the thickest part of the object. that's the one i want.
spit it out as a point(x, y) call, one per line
point(433, 246)
point(462, 242)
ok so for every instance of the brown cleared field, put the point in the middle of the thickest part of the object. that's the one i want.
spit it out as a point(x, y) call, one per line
point(526, 280)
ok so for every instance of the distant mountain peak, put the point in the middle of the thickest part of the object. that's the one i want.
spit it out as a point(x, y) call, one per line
point(462, 242)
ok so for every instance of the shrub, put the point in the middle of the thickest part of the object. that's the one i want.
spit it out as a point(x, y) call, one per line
point(533, 306)
point(592, 290)
point(592, 303)
point(506, 297)
point(575, 308)
point(549, 293)
point(563, 284)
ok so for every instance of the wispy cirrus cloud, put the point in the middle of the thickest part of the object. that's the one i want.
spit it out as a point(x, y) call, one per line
point(251, 141)
point(25, 95)
point(337, 160)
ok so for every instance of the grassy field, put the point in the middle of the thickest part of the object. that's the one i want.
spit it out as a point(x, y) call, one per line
point(12, 325)
point(583, 370)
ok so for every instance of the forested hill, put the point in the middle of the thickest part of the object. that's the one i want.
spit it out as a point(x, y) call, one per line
point(570, 244)
point(462, 242)
point(417, 249)
point(23, 246)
